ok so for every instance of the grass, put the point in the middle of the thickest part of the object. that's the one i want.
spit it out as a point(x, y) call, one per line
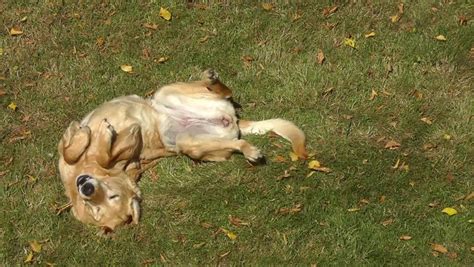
point(67, 62)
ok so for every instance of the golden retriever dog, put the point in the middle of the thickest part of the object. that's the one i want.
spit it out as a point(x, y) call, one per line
point(102, 157)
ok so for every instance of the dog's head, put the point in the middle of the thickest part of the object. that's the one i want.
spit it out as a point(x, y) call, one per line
point(97, 169)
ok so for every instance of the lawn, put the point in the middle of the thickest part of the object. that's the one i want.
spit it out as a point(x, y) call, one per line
point(384, 93)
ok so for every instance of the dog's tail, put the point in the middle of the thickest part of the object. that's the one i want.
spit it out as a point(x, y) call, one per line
point(283, 128)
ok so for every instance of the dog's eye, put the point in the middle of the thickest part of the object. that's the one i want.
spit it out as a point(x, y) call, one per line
point(113, 197)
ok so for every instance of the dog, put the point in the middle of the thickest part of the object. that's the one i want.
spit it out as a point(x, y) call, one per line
point(102, 157)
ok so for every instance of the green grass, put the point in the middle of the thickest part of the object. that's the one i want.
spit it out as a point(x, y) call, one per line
point(56, 72)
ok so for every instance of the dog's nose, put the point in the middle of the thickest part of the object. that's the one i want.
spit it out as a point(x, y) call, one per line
point(87, 189)
point(82, 180)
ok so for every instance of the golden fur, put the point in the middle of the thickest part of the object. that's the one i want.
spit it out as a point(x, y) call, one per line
point(102, 157)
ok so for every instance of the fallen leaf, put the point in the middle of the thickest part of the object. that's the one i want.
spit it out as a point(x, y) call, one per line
point(350, 42)
point(397, 164)
point(151, 26)
point(314, 164)
point(204, 39)
point(405, 237)
point(2, 93)
point(452, 255)
point(293, 156)
point(353, 209)
point(229, 234)
point(395, 18)
point(370, 34)
point(29, 257)
point(329, 10)
point(323, 169)
point(450, 211)
point(165, 14)
point(35, 246)
point(429, 146)
point(439, 248)
point(126, 68)
point(433, 204)
point(447, 137)
point(286, 174)
point(237, 221)
point(279, 159)
point(224, 254)
point(469, 197)
point(199, 245)
point(12, 106)
point(364, 201)
point(162, 60)
point(373, 94)
point(310, 174)
point(296, 17)
point(267, 6)
point(382, 199)
point(293, 210)
point(206, 225)
point(441, 38)
point(462, 20)
point(320, 57)
point(247, 60)
point(392, 145)
point(15, 31)
point(387, 222)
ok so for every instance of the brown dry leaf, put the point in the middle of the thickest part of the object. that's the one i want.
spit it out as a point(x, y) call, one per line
point(293, 210)
point(286, 174)
point(320, 57)
point(452, 255)
point(126, 68)
point(100, 41)
point(199, 245)
point(237, 221)
point(165, 14)
point(462, 20)
point(469, 197)
point(329, 10)
point(439, 248)
point(387, 222)
point(247, 59)
point(323, 169)
point(146, 54)
point(150, 26)
point(296, 16)
point(429, 146)
point(373, 94)
point(15, 31)
point(206, 225)
point(441, 38)
point(267, 6)
point(279, 159)
point(405, 237)
point(392, 144)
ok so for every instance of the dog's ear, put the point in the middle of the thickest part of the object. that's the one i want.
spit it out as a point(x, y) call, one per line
point(74, 142)
point(135, 206)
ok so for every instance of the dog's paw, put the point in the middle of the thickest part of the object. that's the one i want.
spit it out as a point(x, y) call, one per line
point(254, 155)
point(210, 75)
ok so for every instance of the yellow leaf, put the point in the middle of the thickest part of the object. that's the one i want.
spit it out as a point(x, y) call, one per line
point(426, 120)
point(373, 94)
point(229, 234)
point(447, 137)
point(126, 68)
point(15, 31)
point(165, 14)
point(162, 60)
point(353, 209)
point(440, 38)
point(370, 34)
point(405, 237)
point(450, 211)
point(293, 156)
point(267, 6)
point(320, 57)
point(350, 42)
point(12, 106)
point(314, 164)
point(24, 19)
point(29, 257)
point(35, 246)
point(395, 18)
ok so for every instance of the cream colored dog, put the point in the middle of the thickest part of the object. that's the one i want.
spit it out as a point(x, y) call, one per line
point(102, 157)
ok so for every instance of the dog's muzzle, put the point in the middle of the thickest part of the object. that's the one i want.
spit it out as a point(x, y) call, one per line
point(84, 185)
